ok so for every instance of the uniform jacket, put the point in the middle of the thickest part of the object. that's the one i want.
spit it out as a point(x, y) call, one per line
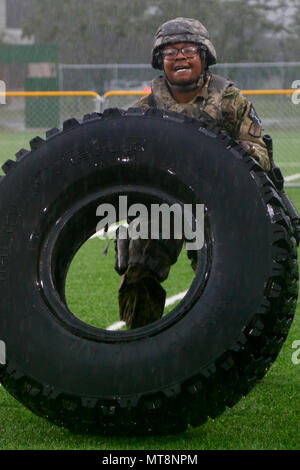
point(218, 103)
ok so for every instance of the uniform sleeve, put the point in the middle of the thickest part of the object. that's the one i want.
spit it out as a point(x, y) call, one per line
point(243, 125)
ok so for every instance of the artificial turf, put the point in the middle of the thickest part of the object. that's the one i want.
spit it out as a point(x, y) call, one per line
point(268, 418)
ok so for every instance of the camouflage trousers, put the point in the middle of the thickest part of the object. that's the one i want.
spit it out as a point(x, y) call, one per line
point(141, 296)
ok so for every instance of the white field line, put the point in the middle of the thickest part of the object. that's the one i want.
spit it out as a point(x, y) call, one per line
point(290, 164)
point(174, 298)
point(112, 228)
point(116, 326)
point(292, 177)
point(169, 301)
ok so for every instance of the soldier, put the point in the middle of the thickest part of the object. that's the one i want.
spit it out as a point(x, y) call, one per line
point(183, 50)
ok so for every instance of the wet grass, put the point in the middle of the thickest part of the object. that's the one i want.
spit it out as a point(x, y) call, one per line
point(268, 418)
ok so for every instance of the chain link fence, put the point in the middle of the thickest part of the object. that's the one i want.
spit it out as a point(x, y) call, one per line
point(280, 116)
point(104, 77)
point(25, 110)
point(24, 117)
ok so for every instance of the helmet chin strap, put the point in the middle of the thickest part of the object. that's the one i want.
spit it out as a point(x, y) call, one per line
point(188, 87)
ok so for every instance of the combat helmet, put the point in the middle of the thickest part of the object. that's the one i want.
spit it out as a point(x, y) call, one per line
point(182, 30)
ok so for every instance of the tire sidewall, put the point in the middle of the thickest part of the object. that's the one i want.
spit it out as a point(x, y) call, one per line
point(79, 162)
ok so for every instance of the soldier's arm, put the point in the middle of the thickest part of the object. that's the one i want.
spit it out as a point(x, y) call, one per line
point(243, 125)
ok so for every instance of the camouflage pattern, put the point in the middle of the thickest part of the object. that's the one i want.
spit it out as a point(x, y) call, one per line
point(182, 30)
point(141, 297)
point(221, 104)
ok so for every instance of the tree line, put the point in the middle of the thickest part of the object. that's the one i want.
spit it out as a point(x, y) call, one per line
point(122, 31)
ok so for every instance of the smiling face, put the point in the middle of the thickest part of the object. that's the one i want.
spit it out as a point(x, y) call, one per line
point(182, 70)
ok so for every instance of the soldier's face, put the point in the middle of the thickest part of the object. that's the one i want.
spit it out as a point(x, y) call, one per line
point(182, 70)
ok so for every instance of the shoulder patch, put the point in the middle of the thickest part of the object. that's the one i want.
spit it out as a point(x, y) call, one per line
point(255, 127)
point(253, 116)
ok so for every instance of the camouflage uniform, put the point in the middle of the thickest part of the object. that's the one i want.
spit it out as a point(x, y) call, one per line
point(218, 103)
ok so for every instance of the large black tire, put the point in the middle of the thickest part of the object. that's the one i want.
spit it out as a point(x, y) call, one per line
point(214, 346)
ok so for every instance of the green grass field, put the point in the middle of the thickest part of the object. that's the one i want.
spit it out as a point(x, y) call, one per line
point(268, 418)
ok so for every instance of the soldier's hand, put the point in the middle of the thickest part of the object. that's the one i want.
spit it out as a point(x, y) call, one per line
point(248, 147)
point(252, 151)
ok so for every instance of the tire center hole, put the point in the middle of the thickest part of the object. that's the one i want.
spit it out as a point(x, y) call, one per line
point(92, 284)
